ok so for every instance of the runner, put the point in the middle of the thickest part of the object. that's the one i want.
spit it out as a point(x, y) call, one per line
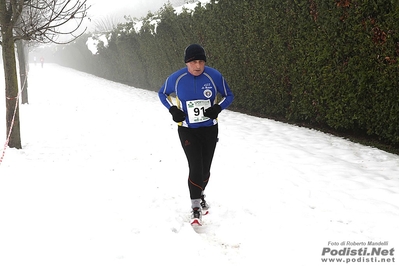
point(196, 111)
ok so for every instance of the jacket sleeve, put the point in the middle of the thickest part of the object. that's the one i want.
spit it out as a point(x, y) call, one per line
point(227, 94)
point(164, 93)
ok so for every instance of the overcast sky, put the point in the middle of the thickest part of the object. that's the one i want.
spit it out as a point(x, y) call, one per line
point(121, 8)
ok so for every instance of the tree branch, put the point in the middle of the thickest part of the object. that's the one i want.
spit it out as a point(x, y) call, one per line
point(46, 20)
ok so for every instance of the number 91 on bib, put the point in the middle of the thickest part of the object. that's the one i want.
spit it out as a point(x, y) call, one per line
point(196, 109)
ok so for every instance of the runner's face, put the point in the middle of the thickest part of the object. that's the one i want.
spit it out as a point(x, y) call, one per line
point(196, 67)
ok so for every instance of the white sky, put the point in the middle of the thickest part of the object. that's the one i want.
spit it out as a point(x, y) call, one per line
point(116, 10)
point(134, 8)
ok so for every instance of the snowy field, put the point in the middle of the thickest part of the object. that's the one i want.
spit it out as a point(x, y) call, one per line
point(102, 180)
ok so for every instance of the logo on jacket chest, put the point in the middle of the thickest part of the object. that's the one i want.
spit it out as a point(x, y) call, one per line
point(207, 88)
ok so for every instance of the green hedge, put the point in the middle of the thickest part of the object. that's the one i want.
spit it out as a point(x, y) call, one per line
point(331, 63)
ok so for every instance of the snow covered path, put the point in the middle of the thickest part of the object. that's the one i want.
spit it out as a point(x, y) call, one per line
point(102, 180)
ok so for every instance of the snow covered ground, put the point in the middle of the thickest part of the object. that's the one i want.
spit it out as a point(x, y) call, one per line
point(102, 180)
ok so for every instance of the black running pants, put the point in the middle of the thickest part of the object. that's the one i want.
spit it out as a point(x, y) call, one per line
point(199, 146)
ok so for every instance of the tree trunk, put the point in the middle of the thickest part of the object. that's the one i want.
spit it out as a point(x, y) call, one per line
point(23, 70)
point(11, 84)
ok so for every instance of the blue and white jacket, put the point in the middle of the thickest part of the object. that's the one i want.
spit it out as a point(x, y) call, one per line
point(194, 94)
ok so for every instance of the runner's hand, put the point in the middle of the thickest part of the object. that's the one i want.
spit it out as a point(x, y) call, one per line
point(177, 114)
point(213, 111)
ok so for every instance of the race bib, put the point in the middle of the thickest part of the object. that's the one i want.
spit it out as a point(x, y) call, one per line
point(195, 110)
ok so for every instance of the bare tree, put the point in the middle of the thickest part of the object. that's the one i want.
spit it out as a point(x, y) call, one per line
point(33, 20)
point(105, 24)
point(22, 52)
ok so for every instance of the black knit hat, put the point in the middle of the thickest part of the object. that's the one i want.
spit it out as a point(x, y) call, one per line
point(194, 52)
